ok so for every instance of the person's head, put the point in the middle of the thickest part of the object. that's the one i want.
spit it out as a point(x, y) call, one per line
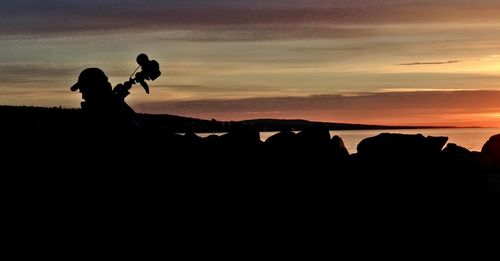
point(93, 84)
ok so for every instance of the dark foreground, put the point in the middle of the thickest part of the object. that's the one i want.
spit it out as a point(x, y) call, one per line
point(94, 169)
point(310, 165)
point(86, 177)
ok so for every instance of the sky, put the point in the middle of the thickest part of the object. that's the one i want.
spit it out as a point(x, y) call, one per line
point(393, 62)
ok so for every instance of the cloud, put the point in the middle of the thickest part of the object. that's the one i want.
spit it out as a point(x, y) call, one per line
point(394, 108)
point(34, 73)
point(431, 63)
point(236, 33)
point(192, 88)
point(34, 17)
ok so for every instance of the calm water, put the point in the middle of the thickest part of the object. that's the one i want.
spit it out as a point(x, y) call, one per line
point(472, 139)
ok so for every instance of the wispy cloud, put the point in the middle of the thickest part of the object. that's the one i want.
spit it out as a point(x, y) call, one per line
point(268, 32)
point(430, 63)
point(35, 17)
point(34, 73)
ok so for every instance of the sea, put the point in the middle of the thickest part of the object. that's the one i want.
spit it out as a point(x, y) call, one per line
point(470, 138)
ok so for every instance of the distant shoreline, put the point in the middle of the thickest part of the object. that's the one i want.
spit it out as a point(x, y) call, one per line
point(383, 129)
point(173, 123)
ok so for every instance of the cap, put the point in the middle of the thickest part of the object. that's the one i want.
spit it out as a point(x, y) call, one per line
point(90, 77)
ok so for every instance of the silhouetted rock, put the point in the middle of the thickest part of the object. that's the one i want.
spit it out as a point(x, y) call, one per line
point(316, 135)
point(435, 144)
point(191, 139)
point(491, 150)
point(282, 139)
point(241, 137)
point(401, 145)
point(452, 150)
point(211, 140)
point(482, 163)
point(338, 148)
point(459, 158)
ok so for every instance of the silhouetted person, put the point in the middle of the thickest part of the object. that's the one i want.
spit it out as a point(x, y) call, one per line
point(100, 98)
point(104, 106)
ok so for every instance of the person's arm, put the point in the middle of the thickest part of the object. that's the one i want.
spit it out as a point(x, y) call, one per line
point(122, 90)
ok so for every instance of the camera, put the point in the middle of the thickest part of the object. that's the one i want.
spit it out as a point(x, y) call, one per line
point(150, 71)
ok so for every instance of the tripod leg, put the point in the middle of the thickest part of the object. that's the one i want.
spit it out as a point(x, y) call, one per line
point(145, 86)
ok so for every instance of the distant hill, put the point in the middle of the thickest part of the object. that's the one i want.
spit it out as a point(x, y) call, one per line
point(23, 116)
point(275, 125)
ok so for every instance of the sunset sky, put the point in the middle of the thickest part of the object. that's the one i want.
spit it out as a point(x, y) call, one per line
point(397, 62)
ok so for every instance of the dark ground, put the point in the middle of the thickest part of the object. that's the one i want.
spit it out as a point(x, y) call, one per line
point(80, 166)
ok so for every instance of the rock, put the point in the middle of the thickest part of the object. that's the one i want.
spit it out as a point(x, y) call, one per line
point(314, 136)
point(338, 148)
point(455, 151)
point(211, 140)
point(436, 144)
point(282, 139)
point(491, 150)
point(458, 158)
point(192, 139)
point(401, 145)
point(241, 137)
point(482, 162)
